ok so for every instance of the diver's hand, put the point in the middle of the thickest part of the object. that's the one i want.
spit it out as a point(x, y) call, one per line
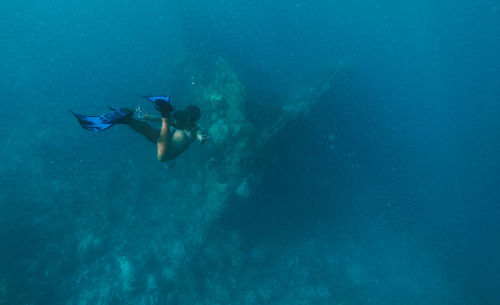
point(201, 137)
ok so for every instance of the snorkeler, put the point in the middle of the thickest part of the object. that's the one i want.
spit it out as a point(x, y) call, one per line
point(171, 143)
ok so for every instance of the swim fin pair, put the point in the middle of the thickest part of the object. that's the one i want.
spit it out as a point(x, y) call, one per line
point(122, 115)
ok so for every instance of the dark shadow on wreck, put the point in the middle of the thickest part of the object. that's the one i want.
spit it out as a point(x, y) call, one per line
point(308, 184)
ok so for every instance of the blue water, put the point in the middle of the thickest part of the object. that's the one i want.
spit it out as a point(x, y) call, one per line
point(387, 192)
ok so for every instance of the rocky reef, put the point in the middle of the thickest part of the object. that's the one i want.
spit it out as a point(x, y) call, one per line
point(141, 232)
point(164, 268)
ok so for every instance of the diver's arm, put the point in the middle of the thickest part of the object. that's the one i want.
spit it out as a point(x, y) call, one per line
point(142, 116)
point(164, 140)
point(152, 118)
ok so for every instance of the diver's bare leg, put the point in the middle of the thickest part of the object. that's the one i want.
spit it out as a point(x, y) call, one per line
point(143, 128)
point(164, 139)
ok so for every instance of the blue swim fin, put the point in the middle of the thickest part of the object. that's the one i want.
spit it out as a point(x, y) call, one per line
point(104, 121)
point(162, 104)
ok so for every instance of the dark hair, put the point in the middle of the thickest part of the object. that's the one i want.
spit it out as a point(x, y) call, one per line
point(186, 119)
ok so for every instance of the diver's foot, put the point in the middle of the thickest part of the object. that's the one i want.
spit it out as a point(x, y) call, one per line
point(120, 116)
point(162, 104)
point(129, 115)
